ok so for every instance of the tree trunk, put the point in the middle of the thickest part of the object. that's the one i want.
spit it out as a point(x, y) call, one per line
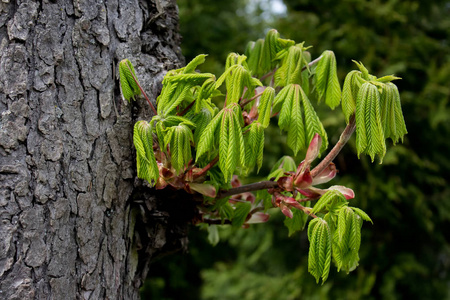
point(69, 200)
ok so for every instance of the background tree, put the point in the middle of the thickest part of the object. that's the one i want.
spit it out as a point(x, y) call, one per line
point(69, 201)
point(405, 254)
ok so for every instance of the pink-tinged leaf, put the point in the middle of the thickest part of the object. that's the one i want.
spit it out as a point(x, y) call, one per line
point(303, 179)
point(177, 183)
point(160, 183)
point(313, 149)
point(286, 183)
point(203, 188)
point(310, 193)
point(326, 175)
point(286, 211)
point(249, 197)
point(258, 217)
point(235, 182)
point(347, 192)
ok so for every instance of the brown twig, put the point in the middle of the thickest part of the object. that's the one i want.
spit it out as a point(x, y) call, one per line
point(261, 185)
point(345, 136)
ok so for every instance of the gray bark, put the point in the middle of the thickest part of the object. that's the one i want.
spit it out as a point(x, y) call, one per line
point(69, 200)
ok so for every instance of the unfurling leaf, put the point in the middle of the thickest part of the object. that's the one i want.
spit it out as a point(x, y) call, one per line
point(254, 146)
point(300, 125)
point(128, 84)
point(297, 222)
point(326, 199)
point(265, 105)
point(350, 91)
point(241, 213)
point(369, 129)
point(147, 167)
point(319, 258)
point(391, 113)
point(327, 83)
point(179, 139)
point(291, 67)
point(347, 239)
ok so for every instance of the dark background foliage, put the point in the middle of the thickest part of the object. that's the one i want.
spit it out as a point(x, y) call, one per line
point(406, 253)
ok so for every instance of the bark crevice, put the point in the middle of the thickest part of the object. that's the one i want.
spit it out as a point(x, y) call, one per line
point(67, 170)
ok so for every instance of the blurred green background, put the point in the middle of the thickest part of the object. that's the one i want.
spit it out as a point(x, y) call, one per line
point(405, 254)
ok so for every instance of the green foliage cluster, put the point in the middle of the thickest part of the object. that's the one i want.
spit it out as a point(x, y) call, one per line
point(405, 254)
point(189, 135)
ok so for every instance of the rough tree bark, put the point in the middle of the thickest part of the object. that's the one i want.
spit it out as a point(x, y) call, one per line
point(69, 200)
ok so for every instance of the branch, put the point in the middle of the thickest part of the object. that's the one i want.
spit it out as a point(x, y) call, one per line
point(345, 136)
point(142, 91)
point(261, 185)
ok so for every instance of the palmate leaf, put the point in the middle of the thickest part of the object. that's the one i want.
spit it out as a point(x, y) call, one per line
point(254, 146)
point(369, 129)
point(347, 239)
point(269, 51)
point(265, 105)
point(147, 167)
point(391, 113)
point(326, 199)
point(228, 123)
point(201, 120)
point(350, 91)
point(291, 66)
point(128, 85)
point(313, 124)
point(179, 139)
point(319, 257)
point(207, 139)
point(327, 83)
point(300, 130)
point(254, 52)
point(240, 214)
point(297, 222)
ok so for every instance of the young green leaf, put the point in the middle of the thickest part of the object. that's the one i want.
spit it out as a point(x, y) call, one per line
point(327, 83)
point(207, 139)
point(319, 257)
point(240, 214)
point(128, 85)
point(326, 199)
point(198, 60)
point(297, 222)
point(313, 124)
point(269, 51)
point(265, 105)
point(147, 167)
point(347, 239)
point(369, 129)
point(254, 146)
point(254, 52)
point(291, 66)
point(350, 91)
point(391, 113)
point(179, 139)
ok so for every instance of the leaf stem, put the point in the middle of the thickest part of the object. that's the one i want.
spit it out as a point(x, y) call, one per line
point(142, 91)
point(261, 185)
point(207, 167)
point(312, 63)
point(244, 103)
point(345, 136)
point(186, 109)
